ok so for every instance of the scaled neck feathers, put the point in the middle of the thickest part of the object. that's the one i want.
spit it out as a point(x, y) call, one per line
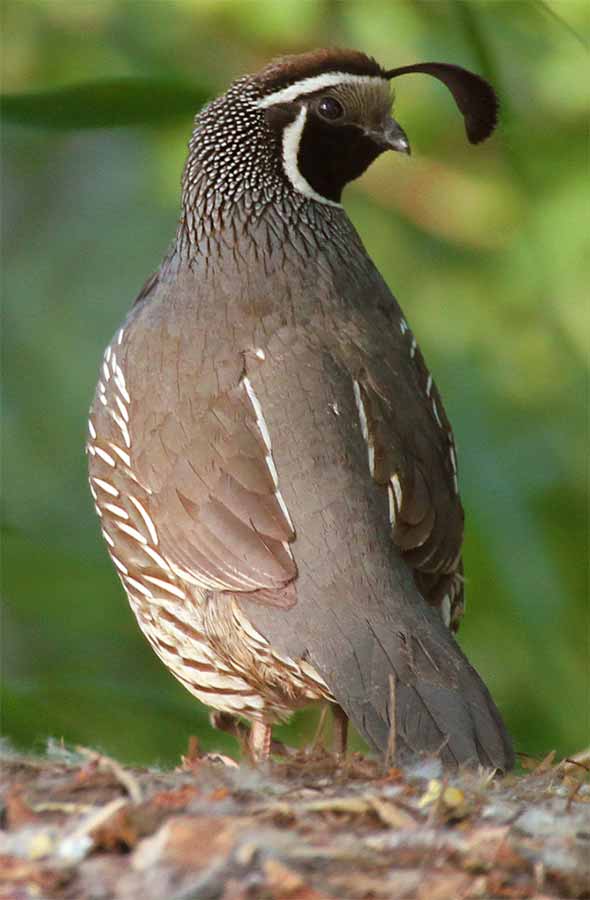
point(234, 175)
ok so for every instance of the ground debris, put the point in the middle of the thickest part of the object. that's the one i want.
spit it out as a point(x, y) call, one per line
point(78, 825)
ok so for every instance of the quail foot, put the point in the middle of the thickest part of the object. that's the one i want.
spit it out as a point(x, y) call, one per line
point(270, 458)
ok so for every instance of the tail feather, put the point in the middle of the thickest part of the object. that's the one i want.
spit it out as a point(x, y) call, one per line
point(447, 711)
point(358, 643)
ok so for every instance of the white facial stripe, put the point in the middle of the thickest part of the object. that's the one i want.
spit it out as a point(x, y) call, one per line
point(291, 140)
point(313, 84)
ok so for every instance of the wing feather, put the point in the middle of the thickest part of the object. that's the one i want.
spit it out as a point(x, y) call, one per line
point(221, 518)
point(411, 450)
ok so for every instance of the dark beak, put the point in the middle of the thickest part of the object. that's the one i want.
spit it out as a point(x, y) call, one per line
point(395, 138)
point(391, 137)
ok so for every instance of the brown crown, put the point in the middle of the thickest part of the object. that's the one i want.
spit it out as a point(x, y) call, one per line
point(287, 70)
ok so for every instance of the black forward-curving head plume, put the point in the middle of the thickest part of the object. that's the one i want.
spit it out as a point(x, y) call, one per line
point(333, 110)
point(307, 125)
point(474, 96)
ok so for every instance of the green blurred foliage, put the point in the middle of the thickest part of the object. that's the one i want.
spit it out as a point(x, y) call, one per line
point(104, 104)
point(484, 247)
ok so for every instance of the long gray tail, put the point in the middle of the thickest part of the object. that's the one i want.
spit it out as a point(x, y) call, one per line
point(362, 638)
point(417, 670)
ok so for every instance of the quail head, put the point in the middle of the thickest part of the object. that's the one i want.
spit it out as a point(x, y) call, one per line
point(271, 460)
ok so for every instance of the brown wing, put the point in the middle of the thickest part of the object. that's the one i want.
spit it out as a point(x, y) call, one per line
point(195, 445)
point(220, 513)
point(411, 452)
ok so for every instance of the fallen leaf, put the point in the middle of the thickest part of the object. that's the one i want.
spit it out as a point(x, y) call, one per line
point(432, 794)
point(17, 811)
point(392, 774)
point(177, 799)
point(579, 759)
point(453, 797)
point(351, 805)
point(444, 885)
point(482, 846)
point(119, 833)
point(221, 793)
point(546, 763)
point(28, 879)
point(41, 846)
point(280, 878)
point(451, 801)
point(391, 815)
point(190, 842)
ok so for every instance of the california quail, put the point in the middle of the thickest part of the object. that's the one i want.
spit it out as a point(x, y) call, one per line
point(270, 458)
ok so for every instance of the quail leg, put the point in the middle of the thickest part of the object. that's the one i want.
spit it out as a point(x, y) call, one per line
point(259, 741)
point(230, 724)
point(339, 730)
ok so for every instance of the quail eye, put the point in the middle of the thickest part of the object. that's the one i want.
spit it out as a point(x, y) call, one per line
point(330, 108)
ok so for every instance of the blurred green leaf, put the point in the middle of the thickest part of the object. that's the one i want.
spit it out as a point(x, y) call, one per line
point(105, 104)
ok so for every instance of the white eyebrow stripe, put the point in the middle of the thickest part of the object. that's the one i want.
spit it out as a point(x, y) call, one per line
point(315, 83)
